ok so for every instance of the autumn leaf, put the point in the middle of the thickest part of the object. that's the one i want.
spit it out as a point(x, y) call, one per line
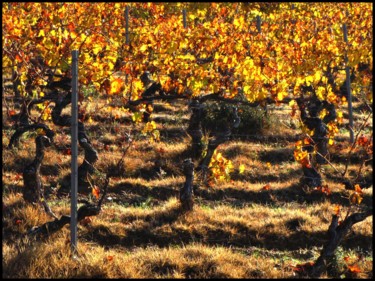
point(116, 86)
point(354, 268)
point(241, 168)
point(355, 198)
point(71, 26)
point(137, 117)
point(266, 187)
point(303, 267)
point(336, 209)
point(324, 189)
point(362, 140)
point(358, 189)
point(95, 191)
point(18, 58)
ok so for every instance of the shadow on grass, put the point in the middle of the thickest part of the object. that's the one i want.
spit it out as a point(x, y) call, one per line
point(15, 188)
point(9, 221)
point(149, 230)
point(267, 139)
point(137, 193)
point(173, 134)
point(140, 235)
point(277, 156)
point(293, 193)
point(343, 158)
point(129, 191)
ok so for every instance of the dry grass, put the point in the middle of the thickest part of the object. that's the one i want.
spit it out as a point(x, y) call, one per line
point(237, 229)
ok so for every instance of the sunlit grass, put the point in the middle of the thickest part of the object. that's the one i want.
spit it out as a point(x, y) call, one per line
point(259, 224)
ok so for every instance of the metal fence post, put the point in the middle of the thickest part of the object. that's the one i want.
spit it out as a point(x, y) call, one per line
point(259, 21)
point(184, 18)
point(127, 39)
point(74, 150)
point(259, 28)
point(349, 91)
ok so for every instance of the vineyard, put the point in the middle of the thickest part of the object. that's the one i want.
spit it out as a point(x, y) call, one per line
point(215, 140)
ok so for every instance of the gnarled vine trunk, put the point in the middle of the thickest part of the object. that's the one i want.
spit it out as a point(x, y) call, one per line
point(33, 190)
point(319, 138)
point(195, 129)
point(336, 233)
point(91, 155)
point(186, 192)
point(86, 210)
point(220, 133)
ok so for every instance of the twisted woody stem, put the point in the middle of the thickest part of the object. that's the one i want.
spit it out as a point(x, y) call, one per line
point(186, 192)
point(91, 155)
point(33, 191)
point(336, 233)
point(320, 136)
point(195, 128)
point(86, 210)
point(220, 134)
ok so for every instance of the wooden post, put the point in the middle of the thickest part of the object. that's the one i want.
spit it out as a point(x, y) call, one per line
point(74, 150)
point(259, 22)
point(127, 40)
point(347, 70)
point(259, 28)
point(184, 18)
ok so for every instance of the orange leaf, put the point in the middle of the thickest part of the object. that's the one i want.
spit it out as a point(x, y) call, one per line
point(362, 140)
point(96, 191)
point(266, 187)
point(303, 267)
point(355, 198)
point(306, 141)
point(358, 189)
point(326, 190)
point(354, 268)
point(18, 58)
point(71, 26)
point(110, 258)
point(336, 209)
point(116, 86)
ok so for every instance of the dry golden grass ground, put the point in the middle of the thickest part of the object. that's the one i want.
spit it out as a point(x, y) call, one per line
point(238, 229)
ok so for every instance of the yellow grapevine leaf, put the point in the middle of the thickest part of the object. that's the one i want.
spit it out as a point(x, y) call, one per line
point(116, 86)
point(241, 168)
